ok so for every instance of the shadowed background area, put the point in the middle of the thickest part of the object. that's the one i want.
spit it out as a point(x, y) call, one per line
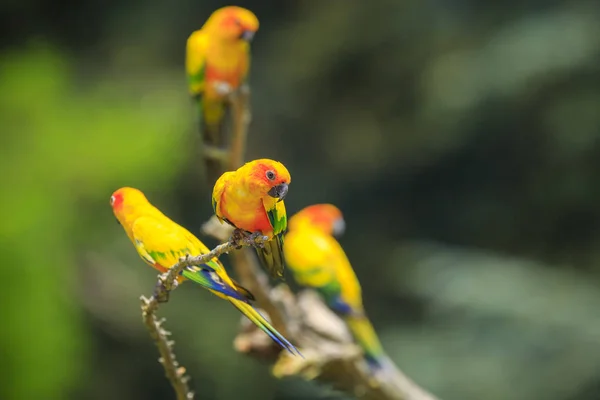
point(460, 138)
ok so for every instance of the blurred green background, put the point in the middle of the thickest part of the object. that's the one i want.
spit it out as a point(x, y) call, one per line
point(460, 138)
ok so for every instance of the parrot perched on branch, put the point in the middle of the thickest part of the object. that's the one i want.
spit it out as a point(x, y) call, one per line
point(160, 242)
point(251, 200)
point(317, 260)
point(217, 63)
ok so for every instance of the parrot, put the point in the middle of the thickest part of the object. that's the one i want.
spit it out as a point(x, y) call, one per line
point(160, 242)
point(317, 260)
point(327, 217)
point(217, 63)
point(251, 200)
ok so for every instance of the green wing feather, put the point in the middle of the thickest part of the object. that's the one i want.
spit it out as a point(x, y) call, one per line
point(197, 77)
point(278, 219)
point(271, 255)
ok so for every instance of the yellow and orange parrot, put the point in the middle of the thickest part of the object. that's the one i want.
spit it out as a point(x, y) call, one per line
point(251, 200)
point(217, 63)
point(160, 242)
point(317, 260)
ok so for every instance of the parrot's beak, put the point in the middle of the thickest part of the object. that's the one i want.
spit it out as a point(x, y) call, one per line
point(247, 35)
point(279, 191)
point(339, 227)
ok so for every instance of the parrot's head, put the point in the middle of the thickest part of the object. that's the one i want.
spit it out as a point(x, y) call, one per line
point(233, 23)
point(267, 177)
point(126, 203)
point(325, 217)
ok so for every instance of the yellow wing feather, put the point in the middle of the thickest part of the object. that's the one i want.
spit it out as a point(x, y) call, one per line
point(163, 241)
point(218, 190)
point(317, 260)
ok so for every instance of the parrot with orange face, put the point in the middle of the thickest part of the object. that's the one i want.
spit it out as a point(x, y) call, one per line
point(160, 242)
point(251, 200)
point(325, 217)
point(317, 260)
point(217, 63)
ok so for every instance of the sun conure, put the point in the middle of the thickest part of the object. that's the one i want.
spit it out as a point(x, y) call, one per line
point(217, 63)
point(251, 200)
point(317, 260)
point(160, 242)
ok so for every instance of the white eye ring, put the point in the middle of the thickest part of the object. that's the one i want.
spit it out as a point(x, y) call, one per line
point(270, 175)
point(112, 200)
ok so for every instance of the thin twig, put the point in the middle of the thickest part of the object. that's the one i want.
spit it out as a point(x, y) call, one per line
point(167, 282)
point(174, 372)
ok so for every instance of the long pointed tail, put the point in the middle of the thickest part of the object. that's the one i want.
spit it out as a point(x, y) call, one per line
point(214, 127)
point(264, 325)
point(367, 339)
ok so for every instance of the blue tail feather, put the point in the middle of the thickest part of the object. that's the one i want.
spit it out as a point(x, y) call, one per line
point(210, 280)
point(279, 338)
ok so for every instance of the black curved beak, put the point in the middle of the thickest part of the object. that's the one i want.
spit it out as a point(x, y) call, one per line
point(279, 191)
point(339, 227)
point(247, 36)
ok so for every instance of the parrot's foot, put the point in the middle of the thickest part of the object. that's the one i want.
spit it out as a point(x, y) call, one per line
point(254, 236)
point(223, 88)
point(237, 237)
point(240, 236)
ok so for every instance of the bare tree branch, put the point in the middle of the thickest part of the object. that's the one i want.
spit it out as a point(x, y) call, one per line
point(173, 370)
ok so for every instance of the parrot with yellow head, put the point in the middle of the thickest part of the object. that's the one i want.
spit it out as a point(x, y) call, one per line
point(251, 200)
point(317, 260)
point(160, 242)
point(217, 63)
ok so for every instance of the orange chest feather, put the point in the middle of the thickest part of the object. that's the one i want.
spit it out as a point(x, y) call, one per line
point(226, 63)
point(231, 76)
point(245, 211)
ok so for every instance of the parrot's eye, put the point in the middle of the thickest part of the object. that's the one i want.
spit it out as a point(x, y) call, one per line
point(270, 175)
point(112, 200)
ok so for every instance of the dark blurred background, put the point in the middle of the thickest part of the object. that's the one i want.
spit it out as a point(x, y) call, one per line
point(460, 138)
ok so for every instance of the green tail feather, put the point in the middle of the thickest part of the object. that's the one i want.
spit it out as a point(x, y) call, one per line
point(367, 339)
point(271, 257)
point(214, 136)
